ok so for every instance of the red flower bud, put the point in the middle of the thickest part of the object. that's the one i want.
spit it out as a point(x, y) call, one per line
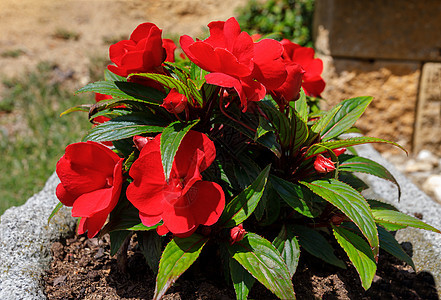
point(237, 233)
point(175, 102)
point(323, 164)
point(141, 141)
point(339, 151)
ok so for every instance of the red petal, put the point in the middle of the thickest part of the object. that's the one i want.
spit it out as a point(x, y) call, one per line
point(65, 197)
point(118, 50)
point(170, 48)
point(145, 30)
point(243, 49)
point(217, 37)
point(146, 192)
point(92, 224)
point(185, 41)
point(187, 153)
point(227, 81)
point(290, 89)
point(230, 65)
point(209, 204)
point(91, 203)
point(148, 220)
point(231, 32)
point(85, 167)
point(269, 67)
point(205, 56)
point(303, 56)
point(314, 87)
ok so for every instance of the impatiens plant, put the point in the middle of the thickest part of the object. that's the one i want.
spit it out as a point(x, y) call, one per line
point(220, 151)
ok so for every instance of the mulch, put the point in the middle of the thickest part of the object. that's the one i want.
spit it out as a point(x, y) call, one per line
point(83, 269)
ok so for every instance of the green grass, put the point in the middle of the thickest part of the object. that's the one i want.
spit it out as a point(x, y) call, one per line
point(32, 134)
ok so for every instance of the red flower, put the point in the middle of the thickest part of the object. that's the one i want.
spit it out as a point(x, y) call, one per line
point(175, 102)
point(100, 97)
point(323, 164)
point(235, 61)
point(236, 234)
point(313, 84)
point(339, 151)
point(170, 48)
point(91, 181)
point(290, 89)
point(183, 201)
point(142, 53)
point(141, 141)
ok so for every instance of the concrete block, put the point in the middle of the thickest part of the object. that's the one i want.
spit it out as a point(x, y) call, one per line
point(392, 29)
point(428, 118)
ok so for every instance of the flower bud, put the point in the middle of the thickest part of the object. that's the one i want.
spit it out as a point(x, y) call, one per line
point(141, 141)
point(175, 102)
point(339, 151)
point(237, 233)
point(323, 164)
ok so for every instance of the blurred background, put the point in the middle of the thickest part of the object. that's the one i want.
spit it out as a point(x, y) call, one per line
point(49, 48)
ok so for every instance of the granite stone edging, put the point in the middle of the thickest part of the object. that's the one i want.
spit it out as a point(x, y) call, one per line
point(26, 238)
point(426, 245)
point(25, 241)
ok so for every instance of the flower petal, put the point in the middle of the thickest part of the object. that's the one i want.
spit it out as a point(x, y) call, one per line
point(209, 204)
point(92, 224)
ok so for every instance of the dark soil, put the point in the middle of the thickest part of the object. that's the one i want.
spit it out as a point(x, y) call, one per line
point(83, 269)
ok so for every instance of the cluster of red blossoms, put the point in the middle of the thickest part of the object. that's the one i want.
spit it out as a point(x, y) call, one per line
point(91, 174)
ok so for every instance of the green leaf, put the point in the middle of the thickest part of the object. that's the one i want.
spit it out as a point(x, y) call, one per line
point(314, 243)
point(263, 128)
point(279, 121)
point(325, 119)
point(242, 280)
point(351, 203)
point(125, 90)
point(54, 211)
point(398, 218)
point(299, 131)
point(167, 81)
point(109, 76)
point(389, 244)
point(264, 262)
point(244, 204)
point(117, 239)
point(351, 163)
point(301, 106)
point(171, 138)
point(359, 254)
point(178, 256)
point(125, 127)
point(376, 204)
point(288, 246)
point(150, 243)
point(296, 196)
point(271, 210)
point(324, 146)
point(349, 112)
point(110, 113)
point(82, 107)
point(349, 178)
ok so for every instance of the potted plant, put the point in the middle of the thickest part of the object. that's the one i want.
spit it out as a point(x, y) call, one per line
point(225, 145)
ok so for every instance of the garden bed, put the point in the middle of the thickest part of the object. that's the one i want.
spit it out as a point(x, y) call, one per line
point(26, 241)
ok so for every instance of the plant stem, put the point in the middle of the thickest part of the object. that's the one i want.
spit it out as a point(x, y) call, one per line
point(121, 256)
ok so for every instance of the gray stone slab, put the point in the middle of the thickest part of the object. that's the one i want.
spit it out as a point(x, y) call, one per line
point(393, 29)
point(426, 244)
point(25, 240)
